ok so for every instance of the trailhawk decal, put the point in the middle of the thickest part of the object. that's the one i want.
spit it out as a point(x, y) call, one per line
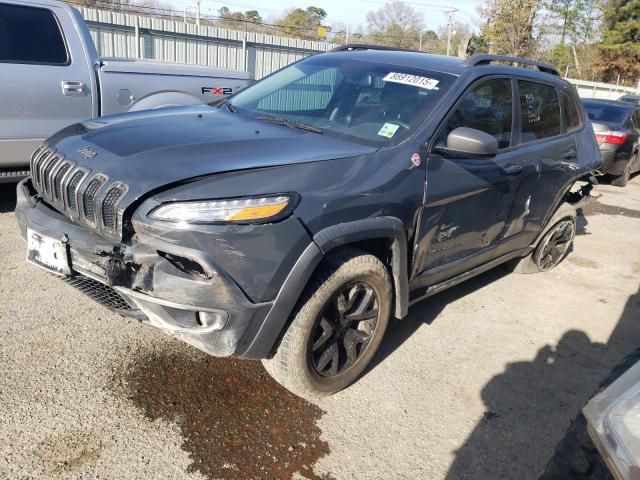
point(217, 90)
point(413, 80)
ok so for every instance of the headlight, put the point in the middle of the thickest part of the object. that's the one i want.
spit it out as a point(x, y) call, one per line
point(240, 210)
point(613, 417)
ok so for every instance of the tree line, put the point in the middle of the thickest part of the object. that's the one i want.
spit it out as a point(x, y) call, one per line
point(585, 39)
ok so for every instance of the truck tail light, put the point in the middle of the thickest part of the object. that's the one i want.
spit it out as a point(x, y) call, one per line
point(615, 138)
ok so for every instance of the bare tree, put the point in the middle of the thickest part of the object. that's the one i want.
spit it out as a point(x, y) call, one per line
point(397, 24)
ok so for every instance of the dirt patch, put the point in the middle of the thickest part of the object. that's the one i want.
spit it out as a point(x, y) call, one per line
point(583, 262)
point(237, 422)
point(68, 452)
point(597, 208)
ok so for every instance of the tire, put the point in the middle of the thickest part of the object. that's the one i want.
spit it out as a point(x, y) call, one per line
point(337, 326)
point(552, 248)
point(622, 180)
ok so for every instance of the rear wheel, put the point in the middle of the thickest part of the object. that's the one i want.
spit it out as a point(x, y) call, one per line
point(552, 248)
point(337, 327)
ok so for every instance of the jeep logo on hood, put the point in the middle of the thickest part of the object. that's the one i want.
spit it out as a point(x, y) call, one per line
point(87, 152)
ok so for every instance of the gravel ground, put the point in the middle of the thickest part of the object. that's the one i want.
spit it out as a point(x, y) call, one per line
point(478, 382)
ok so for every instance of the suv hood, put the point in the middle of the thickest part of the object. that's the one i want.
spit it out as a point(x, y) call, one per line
point(150, 149)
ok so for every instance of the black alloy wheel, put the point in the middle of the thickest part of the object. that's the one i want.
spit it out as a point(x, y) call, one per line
point(555, 245)
point(343, 329)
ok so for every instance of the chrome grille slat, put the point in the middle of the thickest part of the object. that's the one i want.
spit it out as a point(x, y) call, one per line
point(47, 164)
point(89, 197)
point(42, 158)
point(109, 204)
point(57, 180)
point(72, 189)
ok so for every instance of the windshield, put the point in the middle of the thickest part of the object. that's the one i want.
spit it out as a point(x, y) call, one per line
point(365, 102)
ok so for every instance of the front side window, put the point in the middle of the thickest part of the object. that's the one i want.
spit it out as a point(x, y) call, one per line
point(365, 102)
point(30, 35)
point(539, 111)
point(487, 107)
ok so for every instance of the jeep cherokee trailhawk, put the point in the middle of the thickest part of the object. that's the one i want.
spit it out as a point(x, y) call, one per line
point(291, 221)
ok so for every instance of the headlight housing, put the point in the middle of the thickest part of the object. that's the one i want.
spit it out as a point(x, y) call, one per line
point(613, 417)
point(261, 209)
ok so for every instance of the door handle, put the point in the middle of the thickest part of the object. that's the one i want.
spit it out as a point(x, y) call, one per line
point(72, 88)
point(514, 169)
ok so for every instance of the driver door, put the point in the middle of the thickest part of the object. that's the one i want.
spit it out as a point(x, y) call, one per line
point(469, 200)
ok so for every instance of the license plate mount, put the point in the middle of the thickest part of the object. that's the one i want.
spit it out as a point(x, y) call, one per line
point(48, 253)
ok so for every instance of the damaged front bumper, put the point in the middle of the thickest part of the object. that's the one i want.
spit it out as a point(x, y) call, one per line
point(173, 287)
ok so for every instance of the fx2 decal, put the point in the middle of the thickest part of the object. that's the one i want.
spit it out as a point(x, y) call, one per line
point(217, 90)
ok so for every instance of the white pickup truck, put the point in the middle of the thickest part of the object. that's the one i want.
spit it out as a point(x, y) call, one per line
point(51, 76)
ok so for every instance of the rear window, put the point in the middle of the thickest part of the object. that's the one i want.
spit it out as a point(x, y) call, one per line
point(539, 111)
point(634, 100)
point(30, 35)
point(570, 116)
point(603, 112)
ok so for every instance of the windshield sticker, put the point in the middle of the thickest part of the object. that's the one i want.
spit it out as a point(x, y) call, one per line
point(413, 80)
point(388, 130)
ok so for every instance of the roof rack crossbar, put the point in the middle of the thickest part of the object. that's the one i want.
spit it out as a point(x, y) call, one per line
point(486, 59)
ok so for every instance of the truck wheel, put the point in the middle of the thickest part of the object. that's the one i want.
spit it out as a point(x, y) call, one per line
point(552, 248)
point(337, 326)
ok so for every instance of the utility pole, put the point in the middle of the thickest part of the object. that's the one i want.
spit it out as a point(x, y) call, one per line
point(198, 14)
point(449, 14)
point(346, 35)
point(420, 47)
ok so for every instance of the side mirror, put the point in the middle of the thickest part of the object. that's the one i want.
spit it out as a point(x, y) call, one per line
point(470, 142)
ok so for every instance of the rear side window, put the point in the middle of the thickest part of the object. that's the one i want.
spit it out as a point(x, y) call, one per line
point(30, 35)
point(539, 111)
point(570, 116)
point(487, 107)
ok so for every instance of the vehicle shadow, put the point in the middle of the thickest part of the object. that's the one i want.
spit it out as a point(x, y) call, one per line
point(7, 197)
point(530, 405)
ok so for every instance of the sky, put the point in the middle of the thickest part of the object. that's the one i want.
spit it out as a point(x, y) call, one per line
point(351, 12)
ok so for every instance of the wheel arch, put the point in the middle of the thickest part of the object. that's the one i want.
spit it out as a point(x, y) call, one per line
point(383, 237)
point(163, 100)
point(370, 235)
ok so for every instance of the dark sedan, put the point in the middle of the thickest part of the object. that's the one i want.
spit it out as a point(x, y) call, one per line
point(635, 99)
point(617, 128)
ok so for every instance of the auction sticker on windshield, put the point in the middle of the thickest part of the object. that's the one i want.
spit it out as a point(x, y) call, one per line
point(413, 80)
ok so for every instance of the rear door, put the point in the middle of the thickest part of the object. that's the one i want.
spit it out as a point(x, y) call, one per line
point(546, 139)
point(45, 78)
point(469, 201)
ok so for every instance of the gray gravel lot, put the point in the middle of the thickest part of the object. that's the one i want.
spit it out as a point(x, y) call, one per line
point(479, 382)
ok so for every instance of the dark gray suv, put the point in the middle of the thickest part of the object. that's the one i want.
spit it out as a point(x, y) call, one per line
point(291, 221)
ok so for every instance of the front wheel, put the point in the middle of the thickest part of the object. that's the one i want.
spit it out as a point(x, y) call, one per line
point(337, 327)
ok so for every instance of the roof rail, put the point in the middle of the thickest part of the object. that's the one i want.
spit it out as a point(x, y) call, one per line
point(486, 59)
point(366, 46)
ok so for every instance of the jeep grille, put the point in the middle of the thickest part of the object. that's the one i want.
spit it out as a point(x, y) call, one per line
point(77, 192)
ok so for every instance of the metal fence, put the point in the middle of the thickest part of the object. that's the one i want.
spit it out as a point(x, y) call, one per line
point(125, 35)
point(607, 91)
